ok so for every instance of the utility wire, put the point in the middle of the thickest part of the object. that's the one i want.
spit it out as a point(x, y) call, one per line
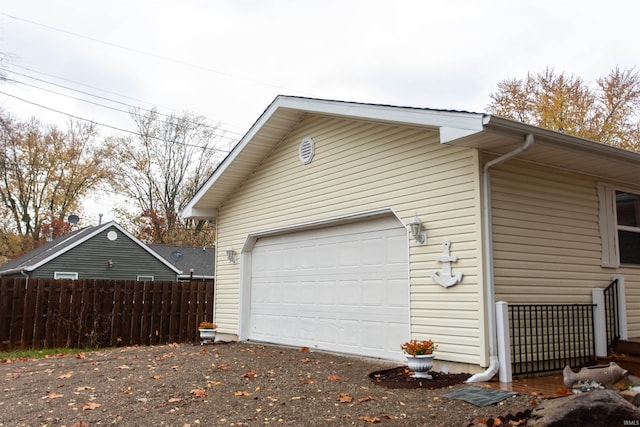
point(141, 52)
point(107, 106)
point(100, 97)
point(108, 126)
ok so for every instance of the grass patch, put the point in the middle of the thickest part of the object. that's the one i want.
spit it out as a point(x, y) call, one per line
point(39, 354)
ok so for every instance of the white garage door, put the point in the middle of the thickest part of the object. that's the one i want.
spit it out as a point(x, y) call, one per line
point(343, 288)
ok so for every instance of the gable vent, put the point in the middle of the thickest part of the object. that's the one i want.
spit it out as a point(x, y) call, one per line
point(306, 150)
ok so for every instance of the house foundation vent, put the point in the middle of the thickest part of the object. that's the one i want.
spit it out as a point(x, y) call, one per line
point(306, 150)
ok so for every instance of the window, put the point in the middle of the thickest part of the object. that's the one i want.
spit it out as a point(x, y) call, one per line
point(628, 225)
point(144, 278)
point(619, 226)
point(65, 275)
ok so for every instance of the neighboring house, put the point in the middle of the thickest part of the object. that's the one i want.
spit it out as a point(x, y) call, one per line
point(196, 263)
point(105, 251)
point(316, 204)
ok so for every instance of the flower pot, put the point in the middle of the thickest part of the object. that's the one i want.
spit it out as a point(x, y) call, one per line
point(420, 365)
point(207, 335)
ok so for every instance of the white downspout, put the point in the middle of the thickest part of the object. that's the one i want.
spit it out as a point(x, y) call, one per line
point(488, 249)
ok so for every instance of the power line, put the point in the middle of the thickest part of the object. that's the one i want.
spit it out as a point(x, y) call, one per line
point(141, 52)
point(106, 125)
point(100, 97)
point(109, 107)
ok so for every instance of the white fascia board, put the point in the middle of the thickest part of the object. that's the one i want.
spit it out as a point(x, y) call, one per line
point(386, 113)
point(199, 213)
point(228, 161)
point(448, 134)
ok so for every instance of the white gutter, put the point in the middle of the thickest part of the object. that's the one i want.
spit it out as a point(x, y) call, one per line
point(488, 248)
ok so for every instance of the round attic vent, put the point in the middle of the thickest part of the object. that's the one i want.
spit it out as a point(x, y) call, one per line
point(306, 150)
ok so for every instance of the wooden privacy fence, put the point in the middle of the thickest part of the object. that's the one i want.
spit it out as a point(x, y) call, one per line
point(48, 313)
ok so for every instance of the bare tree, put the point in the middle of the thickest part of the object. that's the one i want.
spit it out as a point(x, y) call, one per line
point(608, 113)
point(44, 173)
point(160, 169)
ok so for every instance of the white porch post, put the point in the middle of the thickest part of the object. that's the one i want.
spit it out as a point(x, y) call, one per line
point(599, 326)
point(504, 350)
point(622, 309)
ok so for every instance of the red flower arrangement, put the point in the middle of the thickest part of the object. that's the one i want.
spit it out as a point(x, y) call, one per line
point(207, 325)
point(419, 347)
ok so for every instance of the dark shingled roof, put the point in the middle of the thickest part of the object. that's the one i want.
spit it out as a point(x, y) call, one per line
point(185, 258)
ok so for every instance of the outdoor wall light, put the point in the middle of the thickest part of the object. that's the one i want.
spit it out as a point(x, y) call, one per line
point(231, 255)
point(416, 230)
point(110, 264)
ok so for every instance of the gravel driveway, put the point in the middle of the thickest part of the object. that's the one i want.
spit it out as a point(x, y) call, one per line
point(234, 384)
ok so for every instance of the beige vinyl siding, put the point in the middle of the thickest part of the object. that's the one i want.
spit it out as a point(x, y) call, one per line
point(359, 167)
point(547, 239)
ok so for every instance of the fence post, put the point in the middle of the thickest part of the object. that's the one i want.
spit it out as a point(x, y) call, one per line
point(504, 350)
point(622, 309)
point(599, 324)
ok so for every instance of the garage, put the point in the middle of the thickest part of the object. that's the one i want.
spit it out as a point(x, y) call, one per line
point(341, 288)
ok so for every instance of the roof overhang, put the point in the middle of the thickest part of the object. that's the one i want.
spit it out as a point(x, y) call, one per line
point(490, 134)
point(500, 136)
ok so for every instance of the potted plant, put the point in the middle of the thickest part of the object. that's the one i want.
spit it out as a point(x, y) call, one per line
point(207, 331)
point(419, 354)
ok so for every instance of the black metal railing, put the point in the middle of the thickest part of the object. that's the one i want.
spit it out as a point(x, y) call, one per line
point(547, 337)
point(611, 317)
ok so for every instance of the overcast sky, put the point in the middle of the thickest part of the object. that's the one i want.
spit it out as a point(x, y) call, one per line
point(227, 60)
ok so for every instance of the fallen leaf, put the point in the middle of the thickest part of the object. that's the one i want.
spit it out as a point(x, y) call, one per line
point(123, 367)
point(518, 422)
point(335, 378)
point(80, 424)
point(90, 406)
point(65, 375)
point(304, 349)
point(52, 395)
point(175, 399)
point(345, 398)
point(305, 360)
point(199, 393)
point(497, 422)
point(307, 381)
point(366, 399)
point(250, 374)
point(80, 356)
point(298, 398)
point(563, 391)
point(369, 419)
point(241, 393)
point(388, 417)
point(224, 367)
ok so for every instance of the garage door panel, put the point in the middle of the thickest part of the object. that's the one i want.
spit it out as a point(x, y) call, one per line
point(343, 288)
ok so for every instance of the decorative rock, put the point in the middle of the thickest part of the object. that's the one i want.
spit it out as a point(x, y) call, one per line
point(595, 408)
point(607, 375)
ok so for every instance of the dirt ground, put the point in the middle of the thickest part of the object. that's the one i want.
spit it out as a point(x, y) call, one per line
point(233, 384)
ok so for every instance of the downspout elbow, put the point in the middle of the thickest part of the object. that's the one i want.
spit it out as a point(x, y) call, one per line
point(489, 373)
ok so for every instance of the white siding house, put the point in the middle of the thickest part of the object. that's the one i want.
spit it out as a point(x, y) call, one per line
point(316, 200)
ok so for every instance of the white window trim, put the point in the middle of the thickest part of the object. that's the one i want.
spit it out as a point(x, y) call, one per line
point(145, 278)
point(65, 275)
point(608, 221)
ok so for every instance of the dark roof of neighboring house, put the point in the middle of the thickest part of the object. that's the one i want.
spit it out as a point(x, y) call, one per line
point(185, 258)
point(56, 247)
